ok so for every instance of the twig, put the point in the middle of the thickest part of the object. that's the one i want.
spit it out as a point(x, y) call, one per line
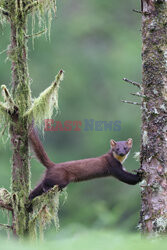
point(132, 82)
point(3, 51)
point(31, 6)
point(3, 130)
point(3, 108)
point(5, 226)
point(5, 206)
point(59, 77)
point(141, 12)
point(13, 109)
point(139, 95)
point(138, 11)
point(4, 12)
point(129, 102)
point(36, 34)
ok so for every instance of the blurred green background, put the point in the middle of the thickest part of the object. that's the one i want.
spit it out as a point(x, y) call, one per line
point(97, 43)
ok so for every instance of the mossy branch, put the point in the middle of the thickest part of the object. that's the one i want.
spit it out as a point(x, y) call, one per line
point(8, 108)
point(31, 6)
point(44, 210)
point(5, 199)
point(43, 199)
point(43, 106)
point(4, 12)
point(7, 97)
point(5, 226)
point(3, 108)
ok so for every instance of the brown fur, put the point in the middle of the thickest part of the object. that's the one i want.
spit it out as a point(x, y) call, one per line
point(62, 174)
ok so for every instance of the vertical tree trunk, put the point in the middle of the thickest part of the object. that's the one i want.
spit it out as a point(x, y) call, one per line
point(29, 217)
point(19, 128)
point(154, 117)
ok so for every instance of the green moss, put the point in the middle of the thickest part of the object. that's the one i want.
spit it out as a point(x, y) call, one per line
point(44, 211)
point(43, 106)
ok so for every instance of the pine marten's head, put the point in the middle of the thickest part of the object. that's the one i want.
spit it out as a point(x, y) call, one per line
point(121, 149)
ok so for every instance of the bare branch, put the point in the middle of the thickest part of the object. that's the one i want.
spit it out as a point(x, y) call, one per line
point(132, 82)
point(141, 12)
point(139, 94)
point(129, 102)
point(137, 11)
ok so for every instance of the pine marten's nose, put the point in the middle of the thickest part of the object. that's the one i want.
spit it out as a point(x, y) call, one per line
point(121, 154)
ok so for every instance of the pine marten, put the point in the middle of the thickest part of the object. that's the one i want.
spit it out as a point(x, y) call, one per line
point(61, 174)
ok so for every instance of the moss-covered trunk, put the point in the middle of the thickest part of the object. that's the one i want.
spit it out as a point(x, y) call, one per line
point(28, 217)
point(154, 117)
point(19, 128)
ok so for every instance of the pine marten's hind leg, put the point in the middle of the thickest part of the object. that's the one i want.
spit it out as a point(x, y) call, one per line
point(49, 183)
point(38, 190)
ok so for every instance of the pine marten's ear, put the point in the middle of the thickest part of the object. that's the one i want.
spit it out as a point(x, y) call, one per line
point(113, 143)
point(130, 142)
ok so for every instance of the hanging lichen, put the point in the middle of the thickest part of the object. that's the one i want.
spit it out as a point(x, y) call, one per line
point(43, 106)
point(42, 11)
point(44, 210)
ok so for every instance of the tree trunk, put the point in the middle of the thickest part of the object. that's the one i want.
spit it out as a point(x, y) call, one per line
point(19, 128)
point(28, 217)
point(154, 117)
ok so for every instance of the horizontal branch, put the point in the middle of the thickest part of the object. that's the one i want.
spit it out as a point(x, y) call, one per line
point(129, 102)
point(5, 206)
point(5, 226)
point(132, 82)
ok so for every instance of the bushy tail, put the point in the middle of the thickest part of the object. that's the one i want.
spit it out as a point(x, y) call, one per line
point(39, 149)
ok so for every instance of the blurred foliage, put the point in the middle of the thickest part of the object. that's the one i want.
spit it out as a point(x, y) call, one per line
point(97, 43)
point(83, 238)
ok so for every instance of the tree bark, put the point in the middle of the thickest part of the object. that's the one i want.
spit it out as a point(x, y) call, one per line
point(154, 117)
point(19, 127)
point(28, 217)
